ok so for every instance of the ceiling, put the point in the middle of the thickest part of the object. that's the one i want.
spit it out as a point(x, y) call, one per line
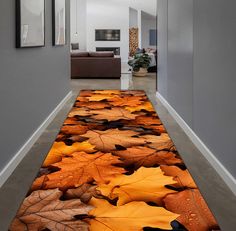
point(148, 6)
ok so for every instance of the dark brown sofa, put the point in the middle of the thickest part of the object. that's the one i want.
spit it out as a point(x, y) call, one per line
point(95, 65)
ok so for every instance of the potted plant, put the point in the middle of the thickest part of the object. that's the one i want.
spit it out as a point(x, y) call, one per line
point(140, 64)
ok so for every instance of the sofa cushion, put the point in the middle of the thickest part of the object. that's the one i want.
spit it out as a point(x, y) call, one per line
point(101, 54)
point(79, 54)
point(75, 46)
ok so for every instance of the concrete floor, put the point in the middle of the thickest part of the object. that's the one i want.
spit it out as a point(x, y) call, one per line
point(220, 199)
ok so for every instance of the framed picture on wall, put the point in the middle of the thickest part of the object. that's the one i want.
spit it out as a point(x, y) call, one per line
point(59, 22)
point(30, 23)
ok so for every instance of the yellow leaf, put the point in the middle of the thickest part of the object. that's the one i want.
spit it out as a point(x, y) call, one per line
point(145, 106)
point(108, 92)
point(132, 216)
point(60, 149)
point(146, 184)
point(100, 97)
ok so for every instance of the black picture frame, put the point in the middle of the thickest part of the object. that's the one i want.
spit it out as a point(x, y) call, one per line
point(107, 35)
point(30, 23)
point(59, 31)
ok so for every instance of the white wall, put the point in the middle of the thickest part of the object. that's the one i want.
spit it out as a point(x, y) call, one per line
point(133, 18)
point(148, 23)
point(81, 25)
point(148, 6)
point(104, 14)
point(139, 28)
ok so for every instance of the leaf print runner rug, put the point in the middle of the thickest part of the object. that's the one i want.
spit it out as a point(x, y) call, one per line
point(113, 167)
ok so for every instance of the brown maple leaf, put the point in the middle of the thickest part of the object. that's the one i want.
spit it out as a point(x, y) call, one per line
point(84, 192)
point(83, 168)
point(183, 177)
point(131, 101)
point(114, 114)
point(44, 210)
point(147, 157)
point(162, 142)
point(107, 140)
point(74, 129)
point(194, 212)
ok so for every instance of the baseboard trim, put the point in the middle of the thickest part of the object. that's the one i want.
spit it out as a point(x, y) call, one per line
point(216, 164)
point(10, 167)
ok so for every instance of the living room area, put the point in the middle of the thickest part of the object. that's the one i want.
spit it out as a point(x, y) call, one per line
point(114, 39)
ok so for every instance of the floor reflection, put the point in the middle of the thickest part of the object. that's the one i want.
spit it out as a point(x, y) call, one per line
point(127, 82)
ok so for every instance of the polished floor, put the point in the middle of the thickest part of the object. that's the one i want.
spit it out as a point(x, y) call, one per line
point(218, 196)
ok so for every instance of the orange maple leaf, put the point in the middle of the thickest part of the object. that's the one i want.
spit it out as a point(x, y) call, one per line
point(74, 129)
point(148, 120)
point(183, 177)
point(83, 168)
point(131, 101)
point(194, 212)
point(60, 149)
point(100, 97)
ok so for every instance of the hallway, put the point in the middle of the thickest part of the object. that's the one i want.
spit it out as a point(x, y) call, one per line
point(14, 189)
point(193, 95)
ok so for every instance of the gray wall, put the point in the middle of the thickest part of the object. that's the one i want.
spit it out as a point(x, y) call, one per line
point(180, 53)
point(33, 81)
point(200, 58)
point(215, 78)
point(162, 46)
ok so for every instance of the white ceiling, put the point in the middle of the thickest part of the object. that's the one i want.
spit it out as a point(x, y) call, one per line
point(148, 6)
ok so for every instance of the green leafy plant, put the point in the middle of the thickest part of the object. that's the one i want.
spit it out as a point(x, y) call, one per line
point(140, 60)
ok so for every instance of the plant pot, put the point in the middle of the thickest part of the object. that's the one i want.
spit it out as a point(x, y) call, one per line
point(141, 73)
